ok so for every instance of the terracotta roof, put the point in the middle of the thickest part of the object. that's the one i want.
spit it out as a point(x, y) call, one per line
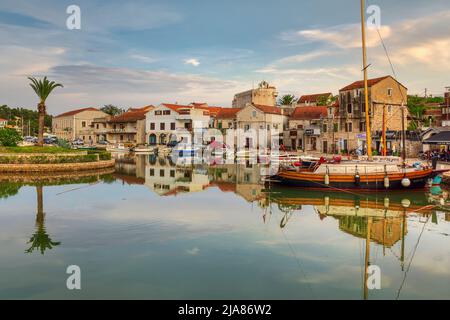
point(214, 111)
point(268, 109)
point(146, 108)
point(130, 116)
point(360, 84)
point(309, 113)
point(176, 107)
point(74, 112)
point(313, 97)
point(228, 113)
point(3, 120)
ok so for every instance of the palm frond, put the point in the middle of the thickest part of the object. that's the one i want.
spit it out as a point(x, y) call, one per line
point(43, 87)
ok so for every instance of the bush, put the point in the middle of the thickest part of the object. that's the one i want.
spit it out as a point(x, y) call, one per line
point(9, 137)
point(62, 143)
point(32, 149)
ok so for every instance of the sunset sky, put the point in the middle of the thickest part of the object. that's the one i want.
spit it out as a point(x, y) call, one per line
point(136, 53)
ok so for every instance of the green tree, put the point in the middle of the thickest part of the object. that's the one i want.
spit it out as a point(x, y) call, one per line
point(43, 88)
point(326, 100)
point(112, 110)
point(287, 100)
point(9, 137)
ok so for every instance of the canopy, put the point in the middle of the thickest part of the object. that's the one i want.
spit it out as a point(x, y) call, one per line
point(442, 138)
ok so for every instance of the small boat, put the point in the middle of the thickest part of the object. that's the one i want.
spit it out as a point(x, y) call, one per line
point(143, 149)
point(118, 148)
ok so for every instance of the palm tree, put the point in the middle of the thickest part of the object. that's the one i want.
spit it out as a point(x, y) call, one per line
point(40, 240)
point(43, 88)
point(287, 100)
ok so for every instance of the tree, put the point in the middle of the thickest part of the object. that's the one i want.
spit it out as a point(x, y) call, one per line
point(287, 100)
point(9, 137)
point(42, 88)
point(112, 110)
point(326, 100)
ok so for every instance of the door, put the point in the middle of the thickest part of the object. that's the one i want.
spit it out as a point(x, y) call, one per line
point(325, 147)
point(152, 140)
point(294, 144)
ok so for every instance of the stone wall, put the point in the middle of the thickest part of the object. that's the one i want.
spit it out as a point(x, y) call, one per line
point(62, 167)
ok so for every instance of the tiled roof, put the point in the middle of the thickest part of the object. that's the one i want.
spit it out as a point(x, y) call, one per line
point(3, 120)
point(146, 108)
point(309, 113)
point(268, 109)
point(176, 107)
point(228, 113)
point(313, 97)
point(74, 112)
point(360, 84)
point(130, 116)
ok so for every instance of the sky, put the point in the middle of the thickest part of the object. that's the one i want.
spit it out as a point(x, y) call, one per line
point(141, 52)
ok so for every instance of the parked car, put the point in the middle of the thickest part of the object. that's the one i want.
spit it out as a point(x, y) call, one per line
point(103, 143)
point(78, 142)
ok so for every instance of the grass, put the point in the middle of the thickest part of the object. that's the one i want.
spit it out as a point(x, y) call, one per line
point(33, 149)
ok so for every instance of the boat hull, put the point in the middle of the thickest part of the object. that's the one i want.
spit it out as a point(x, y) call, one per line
point(419, 179)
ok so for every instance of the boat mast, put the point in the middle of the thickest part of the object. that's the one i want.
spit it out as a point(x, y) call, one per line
point(367, 258)
point(366, 86)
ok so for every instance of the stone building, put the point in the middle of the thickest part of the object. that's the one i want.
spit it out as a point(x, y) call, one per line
point(76, 124)
point(385, 95)
point(264, 95)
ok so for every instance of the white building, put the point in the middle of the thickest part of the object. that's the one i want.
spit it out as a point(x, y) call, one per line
point(174, 123)
point(3, 123)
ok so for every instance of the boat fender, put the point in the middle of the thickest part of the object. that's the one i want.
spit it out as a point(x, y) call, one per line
point(406, 203)
point(406, 182)
point(357, 177)
point(386, 203)
point(327, 177)
point(386, 182)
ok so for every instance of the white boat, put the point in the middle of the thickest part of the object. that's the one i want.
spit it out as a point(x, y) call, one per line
point(143, 149)
point(117, 148)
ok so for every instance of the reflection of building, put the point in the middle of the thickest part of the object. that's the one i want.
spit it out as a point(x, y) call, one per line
point(384, 231)
point(166, 179)
point(76, 124)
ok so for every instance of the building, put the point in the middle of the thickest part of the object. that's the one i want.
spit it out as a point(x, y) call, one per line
point(385, 95)
point(305, 129)
point(76, 124)
point(313, 100)
point(445, 107)
point(265, 95)
point(174, 123)
point(3, 123)
point(127, 128)
point(260, 126)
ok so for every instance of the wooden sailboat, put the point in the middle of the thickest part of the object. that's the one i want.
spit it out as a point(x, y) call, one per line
point(366, 174)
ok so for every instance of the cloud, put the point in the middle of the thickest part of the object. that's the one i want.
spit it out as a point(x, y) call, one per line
point(193, 62)
point(143, 58)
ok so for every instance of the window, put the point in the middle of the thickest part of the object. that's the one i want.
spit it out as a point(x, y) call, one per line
point(300, 127)
point(336, 127)
point(349, 107)
point(158, 113)
point(83, 124)
point(220, 124)
point(121, 137)
point(246, 127)
point(161, 173)
point(172, 126)
point(152, 126)
point(172, 173)
point(362, 126)
point(349, 127)
point(166, 112)
point(162, 126)
point(254, 114)
point(389, 92)
point(152, 172)
point(268, 127)
point(97, 126)
point(325, 128)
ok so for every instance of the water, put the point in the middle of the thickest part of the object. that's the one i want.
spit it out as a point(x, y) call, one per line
point(214, 232)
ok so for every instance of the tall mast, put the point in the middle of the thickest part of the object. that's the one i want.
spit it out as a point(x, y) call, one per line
point(366, 86)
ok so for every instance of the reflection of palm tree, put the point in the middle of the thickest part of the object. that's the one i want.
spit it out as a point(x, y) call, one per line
point(40, 239)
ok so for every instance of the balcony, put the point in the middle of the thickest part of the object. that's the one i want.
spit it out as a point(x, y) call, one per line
point(122, 130)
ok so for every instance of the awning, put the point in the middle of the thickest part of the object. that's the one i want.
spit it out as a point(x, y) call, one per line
point(441, 139)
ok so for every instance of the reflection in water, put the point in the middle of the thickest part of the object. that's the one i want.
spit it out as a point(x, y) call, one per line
point(321, 229)
point(41, 240)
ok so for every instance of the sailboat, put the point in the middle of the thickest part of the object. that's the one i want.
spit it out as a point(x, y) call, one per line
point(361, 174)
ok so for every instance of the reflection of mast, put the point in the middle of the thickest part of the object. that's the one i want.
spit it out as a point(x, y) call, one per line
point(402, 259)
point(367, 258)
